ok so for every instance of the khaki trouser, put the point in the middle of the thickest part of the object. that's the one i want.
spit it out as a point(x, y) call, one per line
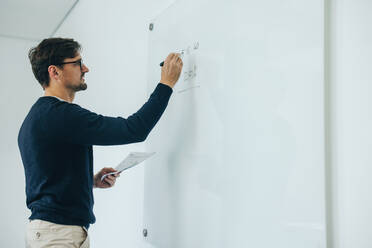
point(45, 234)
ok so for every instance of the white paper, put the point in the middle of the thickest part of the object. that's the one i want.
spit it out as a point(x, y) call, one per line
point(131, 160)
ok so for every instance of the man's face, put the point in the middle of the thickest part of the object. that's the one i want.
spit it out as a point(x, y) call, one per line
point(73, 74)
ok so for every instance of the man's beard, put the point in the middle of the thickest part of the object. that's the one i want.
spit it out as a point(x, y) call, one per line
point(81, 86)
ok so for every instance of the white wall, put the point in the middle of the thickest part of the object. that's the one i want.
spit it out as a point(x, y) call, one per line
point(18, 91)
point(114, 39)
point(350, 91)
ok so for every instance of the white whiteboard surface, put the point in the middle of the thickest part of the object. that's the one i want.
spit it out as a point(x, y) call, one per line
point(240, 150)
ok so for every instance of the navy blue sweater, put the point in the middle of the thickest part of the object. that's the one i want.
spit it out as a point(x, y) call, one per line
point(55, 142)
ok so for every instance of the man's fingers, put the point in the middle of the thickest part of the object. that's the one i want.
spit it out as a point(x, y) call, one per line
point(177, 57)
point(169, 58)
point(179, 61)
point(173, 56)
point(107, 170)
point(109, 181)
point(112, 177)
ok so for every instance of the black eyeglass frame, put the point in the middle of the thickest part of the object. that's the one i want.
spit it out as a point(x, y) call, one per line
point(77, 62)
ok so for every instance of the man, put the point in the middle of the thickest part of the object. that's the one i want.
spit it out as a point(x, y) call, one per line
point(56, 139)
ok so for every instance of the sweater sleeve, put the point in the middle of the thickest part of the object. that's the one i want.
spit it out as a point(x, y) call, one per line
point(75, 124)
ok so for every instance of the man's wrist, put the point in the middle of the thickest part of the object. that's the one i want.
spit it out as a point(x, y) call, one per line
point(167, 83)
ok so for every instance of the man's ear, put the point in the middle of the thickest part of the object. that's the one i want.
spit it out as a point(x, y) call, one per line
point(53, 71)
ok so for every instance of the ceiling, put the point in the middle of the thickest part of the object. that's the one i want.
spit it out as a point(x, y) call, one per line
point(33, 20)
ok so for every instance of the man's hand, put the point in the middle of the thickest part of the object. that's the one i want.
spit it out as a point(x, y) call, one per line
point(171, 70)
point(108, 181)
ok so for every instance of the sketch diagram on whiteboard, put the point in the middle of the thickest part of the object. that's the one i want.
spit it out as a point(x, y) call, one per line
point(189, 71)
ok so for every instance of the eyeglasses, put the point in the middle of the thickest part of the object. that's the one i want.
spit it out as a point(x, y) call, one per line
point(76, 62)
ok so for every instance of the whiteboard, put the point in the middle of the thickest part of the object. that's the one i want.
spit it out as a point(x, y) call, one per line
point(240, 149)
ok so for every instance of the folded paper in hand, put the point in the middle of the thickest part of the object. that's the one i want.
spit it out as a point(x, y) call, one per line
point(131, 160)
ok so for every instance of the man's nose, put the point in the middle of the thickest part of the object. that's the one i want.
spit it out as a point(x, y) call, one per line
point(85, 68)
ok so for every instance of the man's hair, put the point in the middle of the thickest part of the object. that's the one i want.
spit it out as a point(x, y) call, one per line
point(52, 51)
